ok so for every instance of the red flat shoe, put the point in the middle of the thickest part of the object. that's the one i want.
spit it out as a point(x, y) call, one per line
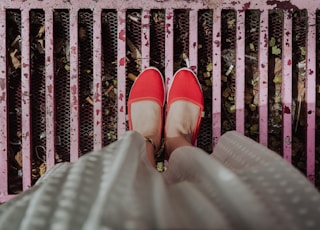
point(149, 85)
point(186, 87)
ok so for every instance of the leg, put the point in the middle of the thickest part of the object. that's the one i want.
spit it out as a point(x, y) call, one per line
point(146, 120)
point(180, 125)
point(185, 106)
point(145, 109)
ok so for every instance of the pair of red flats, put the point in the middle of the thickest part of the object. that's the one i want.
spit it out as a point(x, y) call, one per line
point(149, 85)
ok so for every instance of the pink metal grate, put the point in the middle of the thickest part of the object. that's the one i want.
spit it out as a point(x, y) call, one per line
point(64, 67)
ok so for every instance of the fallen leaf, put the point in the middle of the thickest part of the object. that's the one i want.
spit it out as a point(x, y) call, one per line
point(15, 61)
point(18, 158)
point(41, 31)
point(42, 169)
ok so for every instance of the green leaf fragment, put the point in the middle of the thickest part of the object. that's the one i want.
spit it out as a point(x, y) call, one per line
point(277, 79)
point(303, 51)
point(254, 128)
point(251, 45)
point(272, 42)
point(276, 50)
point(160, 166)
point(232, 109)
point(209, 67)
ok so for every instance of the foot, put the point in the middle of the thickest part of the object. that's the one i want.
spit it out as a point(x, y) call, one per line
point(145, 106)
point(185, 106)
point(146, 119)
point(182, 120)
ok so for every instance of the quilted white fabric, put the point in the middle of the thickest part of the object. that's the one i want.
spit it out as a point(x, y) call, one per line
point(242, 185)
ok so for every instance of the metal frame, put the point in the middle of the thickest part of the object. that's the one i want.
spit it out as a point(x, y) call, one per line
point(169, 5)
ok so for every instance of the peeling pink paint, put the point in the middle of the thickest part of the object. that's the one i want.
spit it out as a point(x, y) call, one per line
point(97, 97)
point(50, 89)
point(121, 96)
point(285, 5)
point(286, 110)
point(217, 43)
point(75, 101)
point(74, 89)
point(122, 61)
point(245, 7)
point(168, 27)
point(122, 35)
point(311, 71)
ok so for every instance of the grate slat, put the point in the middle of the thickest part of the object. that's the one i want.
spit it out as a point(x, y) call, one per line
point(50, 97)
point(74, 87)
point(121, 71)
point(193, 40)
point(311, 95)
point(3, 109)
point(145, 39)
point(240, 71)
point(287, 86)
point(169, 46)
point(216, 77)
point(25, 101)
point(263, 78)
point(97, 81)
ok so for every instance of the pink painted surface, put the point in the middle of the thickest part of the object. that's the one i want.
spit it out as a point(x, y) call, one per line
point(263, 78)
point(311, 94)
point(25, 101)
point(5, 198)
point(216, 77)
point(97, 83)
point(286, 88)
point(240, 71)
point(145, 39)
point(168, 4)
point(121, 72)
point(169, 46)
point(193, 40)
point(74, 86)
point(50, 110)
point(3, 109)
